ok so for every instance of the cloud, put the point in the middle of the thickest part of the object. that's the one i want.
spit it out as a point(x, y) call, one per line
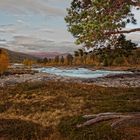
point(9, 28)
point(31, 44)
point(135, 37)
point(26, 38)
point(45, 30)
point(2, 40)
point(30, 6)
point(38, 25)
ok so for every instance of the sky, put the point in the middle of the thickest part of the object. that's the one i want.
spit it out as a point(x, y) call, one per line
point(39, 26)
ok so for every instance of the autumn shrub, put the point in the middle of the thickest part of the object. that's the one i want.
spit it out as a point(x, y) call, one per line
point(103, 131)
point(49, 103)
point(16, 129)
point(28, 63)
point(4, 61)
point(119, 61)
point(31, 86)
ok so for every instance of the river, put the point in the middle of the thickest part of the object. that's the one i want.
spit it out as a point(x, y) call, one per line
point(79, 72)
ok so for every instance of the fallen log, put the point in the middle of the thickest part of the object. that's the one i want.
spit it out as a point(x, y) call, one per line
point(96, 118)
point(100, 114)
point(120, 121)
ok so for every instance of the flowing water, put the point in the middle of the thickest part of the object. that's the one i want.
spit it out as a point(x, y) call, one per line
point(79, 72)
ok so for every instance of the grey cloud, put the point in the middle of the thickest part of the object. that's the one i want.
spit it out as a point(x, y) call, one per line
point(26, 34)
point(13, 28)
point(28, 44)
point(2, 40)
point(23, 27)
point(45, 30)
point(31, 44)
point(26, 6)
point(135, 37)
point(7, 29)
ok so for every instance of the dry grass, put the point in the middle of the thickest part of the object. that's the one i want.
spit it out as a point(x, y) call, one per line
point(39, 107)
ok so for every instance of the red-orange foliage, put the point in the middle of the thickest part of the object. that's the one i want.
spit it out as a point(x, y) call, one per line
point(4, 61)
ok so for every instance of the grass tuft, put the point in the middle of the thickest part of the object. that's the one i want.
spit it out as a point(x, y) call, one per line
point(54, 105)
point(102, 131)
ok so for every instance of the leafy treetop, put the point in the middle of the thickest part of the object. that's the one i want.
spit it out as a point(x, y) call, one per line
point(96, 21)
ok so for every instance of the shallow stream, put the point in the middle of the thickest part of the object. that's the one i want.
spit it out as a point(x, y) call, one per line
point(79, 72)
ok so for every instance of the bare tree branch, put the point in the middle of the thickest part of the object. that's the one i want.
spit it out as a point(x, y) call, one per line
point(135, 3)
point(123, 31)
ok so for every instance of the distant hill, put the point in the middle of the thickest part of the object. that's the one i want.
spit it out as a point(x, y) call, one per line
point(16, 57)
point(42, 55)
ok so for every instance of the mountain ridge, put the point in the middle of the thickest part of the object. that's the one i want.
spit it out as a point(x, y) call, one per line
point(18, 57)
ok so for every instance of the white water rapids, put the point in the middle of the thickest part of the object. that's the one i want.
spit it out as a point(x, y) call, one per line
point(79, 72)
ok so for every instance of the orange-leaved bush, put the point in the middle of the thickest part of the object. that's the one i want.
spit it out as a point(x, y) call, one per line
point(4, 61)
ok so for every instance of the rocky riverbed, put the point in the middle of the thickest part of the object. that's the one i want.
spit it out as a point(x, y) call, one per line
point(120, 80)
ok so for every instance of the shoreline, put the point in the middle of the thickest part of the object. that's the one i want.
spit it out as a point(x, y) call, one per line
point(109, 68)
point(117, 80)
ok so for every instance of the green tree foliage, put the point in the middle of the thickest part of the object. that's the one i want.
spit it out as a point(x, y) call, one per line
point(116, 54)
point(98, 21)
point(56, 59)
point(39, 61)
point(124, 46)
point(76, 53)
point(69, 59)
point(81, 53)
point(85, 57)
point(50, 60)
point(123, 52)
point(45, 60)
point(76, 56)
point(62, 60)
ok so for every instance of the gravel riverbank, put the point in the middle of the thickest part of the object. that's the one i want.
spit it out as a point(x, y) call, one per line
point(121, 80)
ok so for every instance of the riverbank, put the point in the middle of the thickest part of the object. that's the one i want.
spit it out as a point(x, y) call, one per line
point(91, 67)
point(117, 80)
point(36, 105)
